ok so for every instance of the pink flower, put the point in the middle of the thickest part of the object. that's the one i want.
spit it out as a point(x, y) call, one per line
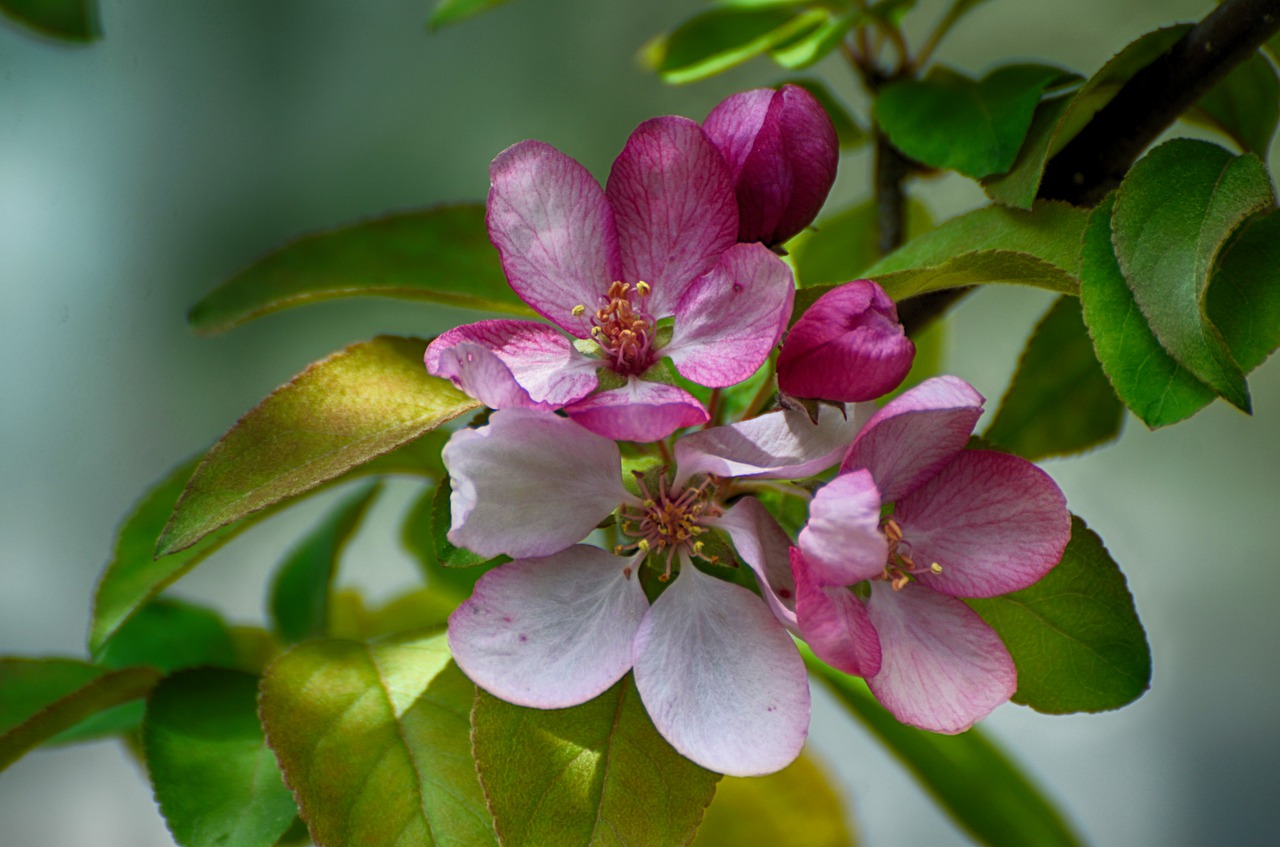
point(606, 265)
point(715, 667)
point(965, 523)
point(782, 153)
point(848, 347)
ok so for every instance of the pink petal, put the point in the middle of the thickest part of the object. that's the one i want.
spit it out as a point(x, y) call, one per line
point(765, 547)
point(721, 679)
point(530, 483)
point(943, 668)
point(842, 541)
point(995, 523)
point(834, 623)
point(554, 231)
point(730, 319)
point(550, 632)
point(848, 346)
point(518, 363)
point(674, 207)
point(915, 434)
point(779, 445)
point(638, 411)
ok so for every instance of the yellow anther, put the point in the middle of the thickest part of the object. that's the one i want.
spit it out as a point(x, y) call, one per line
point(936, 568)
point(643, 289)
point(579, 310)
point(643, 544)
point(697, 548)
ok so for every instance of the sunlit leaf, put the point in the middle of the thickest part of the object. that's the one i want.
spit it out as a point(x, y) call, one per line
point(714, 41)
point(1245, 105)
point(816, 45)
point(593, 774)
point(419, 609)
point(70, 20)
point(451, 11)
point(839, 247)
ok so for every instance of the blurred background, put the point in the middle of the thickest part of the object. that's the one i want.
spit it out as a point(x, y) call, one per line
point(138, 172)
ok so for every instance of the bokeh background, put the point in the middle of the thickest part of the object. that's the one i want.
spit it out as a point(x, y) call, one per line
point(138, 172)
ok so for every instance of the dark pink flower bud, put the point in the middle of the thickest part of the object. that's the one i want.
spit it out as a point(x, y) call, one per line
point(782, 150)
point(848, 347)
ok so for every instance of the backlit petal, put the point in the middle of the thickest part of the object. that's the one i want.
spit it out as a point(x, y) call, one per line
point(834, 623)
point(638, 411)
point(842, 541)
point(765, 547)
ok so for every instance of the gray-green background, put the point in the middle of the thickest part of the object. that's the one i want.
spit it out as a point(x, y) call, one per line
point(138, 172)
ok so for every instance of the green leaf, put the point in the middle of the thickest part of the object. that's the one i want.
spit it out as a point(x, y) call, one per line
point(447, 555)
point(713, 42)
point(948, 120)
point(972, 780)
point(797, 806)
point(451, 11)
point(593, 774)
point(891, 11)
point(374, 739)
point(1059, 119)
point(841, 246)
point(1074, 636)
point(300, 594)
point(69, 20)
point(357, 404)
point(43, 697)
point(440, 255)
point(1059, 401)
point(1245, 106)
point(415, 610)
point(849, 133)
point(815, 46)
point(214, 778)
point(1174, 211)
point(420, 537)
point(1244, 293)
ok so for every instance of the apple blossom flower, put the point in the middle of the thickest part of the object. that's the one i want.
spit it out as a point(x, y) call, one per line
point(559, 625)
point(782, 152)
point(606, 265)
point(964, 523)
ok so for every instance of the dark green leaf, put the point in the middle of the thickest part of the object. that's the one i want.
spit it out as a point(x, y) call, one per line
point(215, 780)
point(452, 11)
point(972, 780)
point(374, 740)
point(70, 20)
point(170, 635)
point(300, 593)
point(448, 555)
point(419, 536)
point(1245, 105)
point(593, 774)
point(1059, 401)
point(713, 42)
point(1074, 636)
point(1244, 293)
point(948, 120)
point(841, 246)
point(440, 255)
point(849, 132)
point(1174, 211)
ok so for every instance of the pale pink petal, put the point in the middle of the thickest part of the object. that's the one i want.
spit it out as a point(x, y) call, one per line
point(546, 369)
point(530, 483)
point(848, 346)
point(730, 319)
point(550, 632)
point(842, 541)
point(779, 445)
point(720, 677)
point(554, 230)
point(638, 411)
point(943, 669)
point(765, 547)
point(994, 523)
point(834, 623)
point(915, 434)
point(674, 207)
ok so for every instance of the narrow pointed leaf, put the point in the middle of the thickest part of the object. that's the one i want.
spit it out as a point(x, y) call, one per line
point(451, 11)
point(817, 44)
point(1245, 105)
point(713, 42)
point(374, 741)
point(69, 20)
point(214, 778)
point(440, 255)
point(973, 781)
point(595, 774)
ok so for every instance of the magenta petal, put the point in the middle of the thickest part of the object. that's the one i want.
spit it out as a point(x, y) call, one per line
point(550, 632)
point(554, 230)
point(530, 483)
point(943, 669)
point(994, 523)
point(779, 445)
point(766, 549)
point(848, 346)
point(834, 623)
point(721, 679)
point(638, 411)
point(915, 434)
point(730, 319)
point(842, 541)
point(674, 207)
point(546, 369)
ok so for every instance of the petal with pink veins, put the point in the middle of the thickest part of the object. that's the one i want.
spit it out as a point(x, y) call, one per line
point(638, 411)
point(993, 522)
point(530, 483)
point(721, 679)
point(550, 632)
point(765, 547)
point(834, 623)
point(942, 668)
point(842, 542)
point(730, 319)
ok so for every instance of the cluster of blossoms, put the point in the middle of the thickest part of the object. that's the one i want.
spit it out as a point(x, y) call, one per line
point(686, 229)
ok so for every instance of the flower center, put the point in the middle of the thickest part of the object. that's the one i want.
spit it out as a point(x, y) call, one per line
point(900, 569)
point(670, 520)
point(622, 327)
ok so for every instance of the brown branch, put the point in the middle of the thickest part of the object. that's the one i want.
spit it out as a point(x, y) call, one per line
point(892, 169)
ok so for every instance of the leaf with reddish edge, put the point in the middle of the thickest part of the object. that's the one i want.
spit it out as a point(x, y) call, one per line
point(357, 404)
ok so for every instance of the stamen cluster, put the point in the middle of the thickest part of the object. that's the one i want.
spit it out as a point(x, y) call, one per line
point(622, 328)
point(669, 520)
point(900, 568)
